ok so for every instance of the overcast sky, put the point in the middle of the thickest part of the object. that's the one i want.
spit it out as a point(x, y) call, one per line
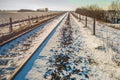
point(51, 4)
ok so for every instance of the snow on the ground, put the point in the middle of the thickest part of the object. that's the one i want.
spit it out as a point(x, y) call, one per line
point(104, 67)
point(108, 34)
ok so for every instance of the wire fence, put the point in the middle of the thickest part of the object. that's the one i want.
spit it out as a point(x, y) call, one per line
point(109, 35)
point(14, 28)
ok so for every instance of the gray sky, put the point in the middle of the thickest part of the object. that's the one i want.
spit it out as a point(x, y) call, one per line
point(51, 4)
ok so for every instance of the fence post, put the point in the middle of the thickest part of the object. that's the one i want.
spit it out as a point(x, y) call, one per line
point(37, 19)
point(10, 27)
point(79, 17)
point(94, 26)
point(32, 20)
point(42, 17)
point(29, 21)
point(86, 21)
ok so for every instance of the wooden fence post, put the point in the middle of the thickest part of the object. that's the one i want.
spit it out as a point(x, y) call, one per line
point(37, 19)
point(94, 23)
point(79, 17)
point(86, 21)
point(42, 17)
point(32, 20)
point(29, 21)
point(10, 27)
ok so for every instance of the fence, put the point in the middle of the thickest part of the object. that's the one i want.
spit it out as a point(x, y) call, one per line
point(23, 25)
point(11, 23)
point(109, 35)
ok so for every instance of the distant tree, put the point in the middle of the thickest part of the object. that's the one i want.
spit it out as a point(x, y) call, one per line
point(46, 9)
point(115, 5)
point(77, 10)
point(93, 11)
point(25, 10)
point(114, 11)
point(42, 10)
